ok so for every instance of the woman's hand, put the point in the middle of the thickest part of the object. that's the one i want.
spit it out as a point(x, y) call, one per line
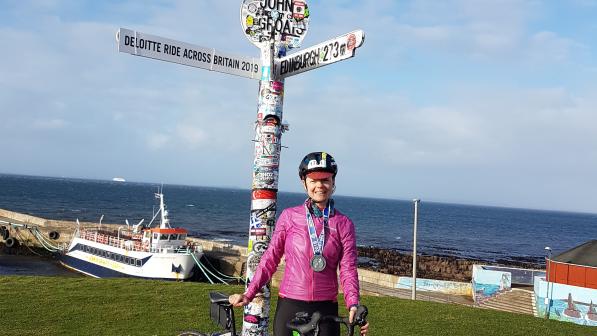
point(351, 314)
point(238, 300)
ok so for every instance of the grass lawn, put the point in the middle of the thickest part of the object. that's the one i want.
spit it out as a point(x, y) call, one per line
point(86, 306)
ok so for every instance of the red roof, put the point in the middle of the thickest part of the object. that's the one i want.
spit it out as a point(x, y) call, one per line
point(169, 231)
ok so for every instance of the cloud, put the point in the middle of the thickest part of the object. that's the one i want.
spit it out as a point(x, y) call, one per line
point(494, 30)
point(157, 141)
point(192, 136)
point(49, 124)
point(546, 46)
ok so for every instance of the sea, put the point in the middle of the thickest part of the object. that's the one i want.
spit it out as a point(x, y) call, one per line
point(491, 234)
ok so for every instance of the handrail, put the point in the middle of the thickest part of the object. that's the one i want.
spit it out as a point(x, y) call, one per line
point(135, 244)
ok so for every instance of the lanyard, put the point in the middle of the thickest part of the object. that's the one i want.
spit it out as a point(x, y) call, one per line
point(317, 243)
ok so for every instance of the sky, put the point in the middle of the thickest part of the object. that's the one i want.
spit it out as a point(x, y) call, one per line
point(476, 102)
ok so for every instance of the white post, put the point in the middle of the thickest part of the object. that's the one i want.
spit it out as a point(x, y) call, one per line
point(547, 301)
point(414, 287)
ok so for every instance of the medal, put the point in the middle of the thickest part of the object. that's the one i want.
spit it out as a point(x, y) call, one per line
point(317, 243)
point(318, 263)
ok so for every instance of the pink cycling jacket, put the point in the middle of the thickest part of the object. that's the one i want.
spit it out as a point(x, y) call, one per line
point(300, 282)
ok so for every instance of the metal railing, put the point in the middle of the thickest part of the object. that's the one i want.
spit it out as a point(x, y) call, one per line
point(135, 244)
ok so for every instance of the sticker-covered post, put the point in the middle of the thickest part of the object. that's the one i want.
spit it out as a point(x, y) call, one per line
point(274, 27)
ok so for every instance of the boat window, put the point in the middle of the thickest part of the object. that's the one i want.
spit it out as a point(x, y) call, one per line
point(163, 236)
point(87, 249)
point(126, 260)
point(182, 236)
point(139, 262)
point(132, 261)
point(155, 236)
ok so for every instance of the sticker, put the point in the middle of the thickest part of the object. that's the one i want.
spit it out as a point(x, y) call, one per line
point(265, 213)
point(259, 247)
point(268, 110)
point(265, 73)
point(271, 99)
point(263, 204)
point(252, 319)
point(271, 120)
point(298, 10)
point(266, 150)
point(253, 260)
point(260, 232)
point(283, 17)
point(250, 329)
point(271, 129)
point(278, 86)
point(265, 178)
point(352, 42)
point(267, 162)
point(255, 222)
point(268, 138)
point(264, 194)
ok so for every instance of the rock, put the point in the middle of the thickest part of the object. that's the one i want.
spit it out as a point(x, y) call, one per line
point(430, 267)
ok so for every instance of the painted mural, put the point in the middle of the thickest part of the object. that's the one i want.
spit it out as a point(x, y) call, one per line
point(439, 286)
point(566, 303)
point(489, 283)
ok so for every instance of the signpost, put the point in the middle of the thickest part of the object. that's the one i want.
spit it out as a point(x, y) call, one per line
point(140, 44)
point(328, 52)
point(274, 26)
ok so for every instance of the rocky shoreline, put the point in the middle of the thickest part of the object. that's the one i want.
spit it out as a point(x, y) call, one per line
point(430, 267)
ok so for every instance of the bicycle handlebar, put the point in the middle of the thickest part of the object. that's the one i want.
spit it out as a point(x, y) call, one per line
point(304, 325)
point(300, 323)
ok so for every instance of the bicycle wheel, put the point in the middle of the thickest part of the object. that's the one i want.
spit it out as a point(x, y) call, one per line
point(192, 333)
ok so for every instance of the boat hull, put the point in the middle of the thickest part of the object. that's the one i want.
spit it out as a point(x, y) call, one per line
point(104, 261)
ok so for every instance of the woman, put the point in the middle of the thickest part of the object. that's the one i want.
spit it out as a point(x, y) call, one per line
point(316, 240)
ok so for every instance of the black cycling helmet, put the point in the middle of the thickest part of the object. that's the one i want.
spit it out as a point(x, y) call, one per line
point(318, 162)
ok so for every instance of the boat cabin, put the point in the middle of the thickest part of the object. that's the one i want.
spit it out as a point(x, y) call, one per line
point(159, 238)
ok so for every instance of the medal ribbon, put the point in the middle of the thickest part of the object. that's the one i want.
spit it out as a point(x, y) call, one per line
point(317, 243)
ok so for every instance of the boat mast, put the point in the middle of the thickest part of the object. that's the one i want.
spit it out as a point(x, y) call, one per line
point(164, 221)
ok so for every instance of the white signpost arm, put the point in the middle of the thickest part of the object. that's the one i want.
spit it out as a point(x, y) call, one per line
point(141, 44)
point(328, 52)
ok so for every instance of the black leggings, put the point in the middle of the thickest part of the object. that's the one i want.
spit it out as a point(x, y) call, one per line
point(286, 309)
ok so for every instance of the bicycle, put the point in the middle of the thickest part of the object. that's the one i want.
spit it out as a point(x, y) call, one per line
point(222, 313)
point(306, 325)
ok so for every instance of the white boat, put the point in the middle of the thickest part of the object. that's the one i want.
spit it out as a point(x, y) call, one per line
point(138, 251)
point(118, 179)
